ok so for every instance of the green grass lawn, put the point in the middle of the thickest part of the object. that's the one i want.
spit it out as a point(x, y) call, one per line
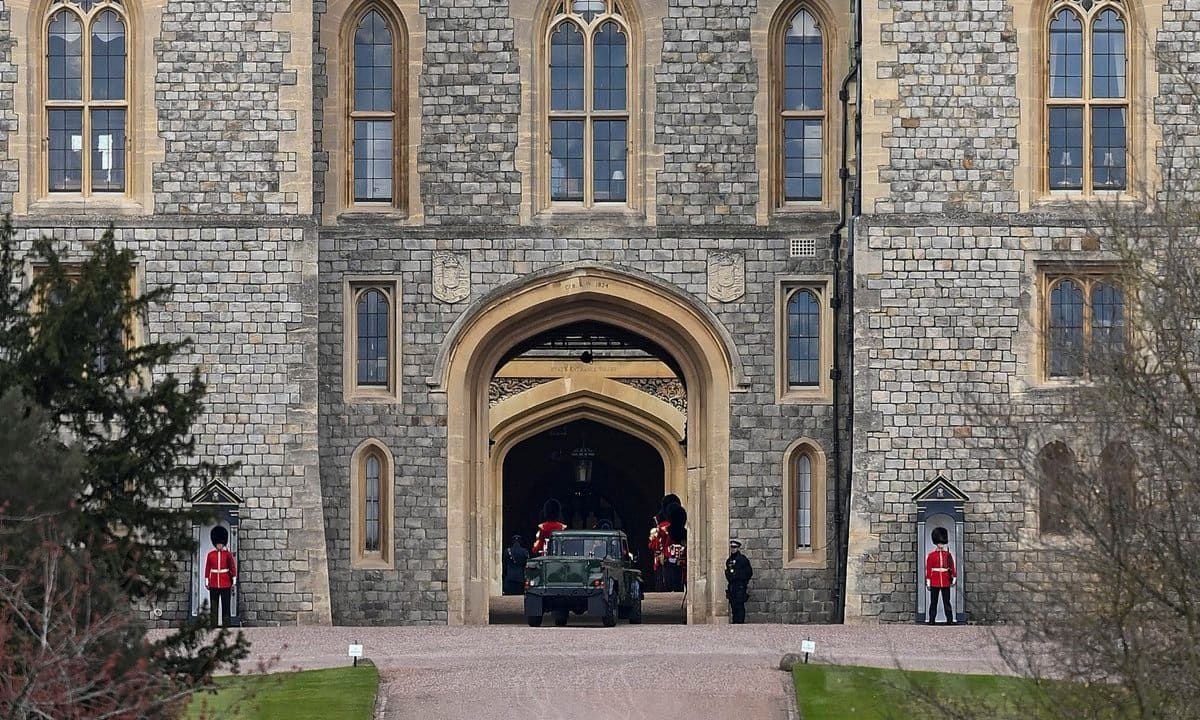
point(832, 691)
point(343, 693)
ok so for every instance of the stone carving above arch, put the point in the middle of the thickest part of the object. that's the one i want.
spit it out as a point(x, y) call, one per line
point(451, 276)
point(726, 275)
point(669, 390)
point(501, 389)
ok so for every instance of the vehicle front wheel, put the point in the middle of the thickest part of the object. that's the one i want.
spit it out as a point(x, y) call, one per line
point(634, 612)
point(561, 617)
point(534, 620)
point(610, 610)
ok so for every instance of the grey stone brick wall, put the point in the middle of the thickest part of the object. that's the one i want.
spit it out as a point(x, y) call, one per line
point(320, 85)
point(243, 295)
point(704, 119)
point(953, 142)
point(470, 102)
point(220, 69)
point(414, 429)
point(1178, 103)
point(8, 116)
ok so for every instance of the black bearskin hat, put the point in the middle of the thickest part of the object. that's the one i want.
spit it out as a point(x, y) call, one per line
point(940, 536)
point(668, 500)
point(678, 529)
point(552, 510)
point(219, 535)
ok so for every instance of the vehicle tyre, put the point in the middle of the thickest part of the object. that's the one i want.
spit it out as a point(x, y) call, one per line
point(534, 620)
point(610, 609)
point(561, 617)
point(635, 610)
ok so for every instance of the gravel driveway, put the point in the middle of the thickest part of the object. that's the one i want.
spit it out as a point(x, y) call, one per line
point(628, 672)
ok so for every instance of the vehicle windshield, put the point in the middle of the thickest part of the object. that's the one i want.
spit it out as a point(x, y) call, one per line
point(589, 547)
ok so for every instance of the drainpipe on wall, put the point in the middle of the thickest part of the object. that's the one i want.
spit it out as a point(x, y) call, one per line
point(845, 439)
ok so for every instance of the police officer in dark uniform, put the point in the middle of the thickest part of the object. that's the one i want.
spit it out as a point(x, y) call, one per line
point(737, 574)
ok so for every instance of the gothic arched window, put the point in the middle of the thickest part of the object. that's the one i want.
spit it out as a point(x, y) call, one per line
point(376, 102)
point(86, 99)
point(1086, 328)
point(804, 493)
point(371, 504)
point(800, 98)
point(803, 339)
point(1087, 98)
point(589, 101)
point(1059, 474)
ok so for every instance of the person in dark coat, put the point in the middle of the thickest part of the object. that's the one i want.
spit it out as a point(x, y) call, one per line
point(675, 571)
point(737, 574)
point(514, 567)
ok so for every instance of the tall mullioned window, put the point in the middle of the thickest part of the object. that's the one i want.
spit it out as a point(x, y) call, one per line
point(588, 104)
point(85, 148)
point(804, 495)
point(376, 97)
point(372, 478)
point(1087, 97)
point(801, 103)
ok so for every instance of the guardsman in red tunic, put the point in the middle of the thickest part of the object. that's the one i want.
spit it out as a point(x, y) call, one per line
point(940, 576)
point(220, 575)
point(551, 523)
point(659, 545)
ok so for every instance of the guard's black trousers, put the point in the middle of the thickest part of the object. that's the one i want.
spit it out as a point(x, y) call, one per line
point(933, 595)
point(737, 594)
point(221, 596)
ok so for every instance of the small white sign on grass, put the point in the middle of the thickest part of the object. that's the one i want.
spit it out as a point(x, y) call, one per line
point(808, 646)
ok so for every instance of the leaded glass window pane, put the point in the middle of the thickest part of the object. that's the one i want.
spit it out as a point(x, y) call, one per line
point(1108, 56)
point(108, 150)
point(108, 57)
point(566, 160)
point(1066, 329)
point(1108, 323)
point(566, 68)
point(371, 496)
point(611, 68)
point(373, 63)
point(65, 150)
point(373, 160)
point(373, 339)
point(802, 147)
point(1066, 55)
point(608, 154)
point(802, 60)
point(1066, 148)
point(64, 56)
point(1108, 148)
point(804, 501)
point(803, 339)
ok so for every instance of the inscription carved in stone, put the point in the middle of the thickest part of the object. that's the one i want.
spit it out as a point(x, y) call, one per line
point(501, 389)
point(669, 390)
point(726, 276)
point(451, 276)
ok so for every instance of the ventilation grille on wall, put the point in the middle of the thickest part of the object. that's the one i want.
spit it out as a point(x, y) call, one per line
point(804, 247)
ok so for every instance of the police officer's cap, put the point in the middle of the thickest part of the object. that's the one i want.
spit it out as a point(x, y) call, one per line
point(735, 544)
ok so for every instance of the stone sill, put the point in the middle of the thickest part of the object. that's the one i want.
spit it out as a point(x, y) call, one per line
point(95, 205)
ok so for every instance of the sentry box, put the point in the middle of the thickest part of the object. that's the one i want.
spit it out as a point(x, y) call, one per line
point(941, 504)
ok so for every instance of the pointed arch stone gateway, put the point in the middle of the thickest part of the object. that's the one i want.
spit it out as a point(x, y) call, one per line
point(678, 323)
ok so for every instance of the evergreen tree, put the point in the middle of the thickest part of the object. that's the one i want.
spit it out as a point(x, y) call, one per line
point(70, 352)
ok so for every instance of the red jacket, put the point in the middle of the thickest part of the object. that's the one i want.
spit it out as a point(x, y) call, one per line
point(544, 531)
point(939, 568)
point(220, 570)
point(660, 543)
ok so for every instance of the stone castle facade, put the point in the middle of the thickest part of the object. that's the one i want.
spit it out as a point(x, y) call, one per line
point(367, 207)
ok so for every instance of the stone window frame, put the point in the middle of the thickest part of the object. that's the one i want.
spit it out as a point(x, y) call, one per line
point(635, 138)
point(143, 145)
point(830, 131)
point(1142, 133)
point(1086, 275)
point(1087, 101)
point(815, 556)
point(382, 559)
point(822, 287)
point(400, 108)
point(353, 286)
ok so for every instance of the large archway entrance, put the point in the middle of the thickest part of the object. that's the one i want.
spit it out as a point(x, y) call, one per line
point(691, 437)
